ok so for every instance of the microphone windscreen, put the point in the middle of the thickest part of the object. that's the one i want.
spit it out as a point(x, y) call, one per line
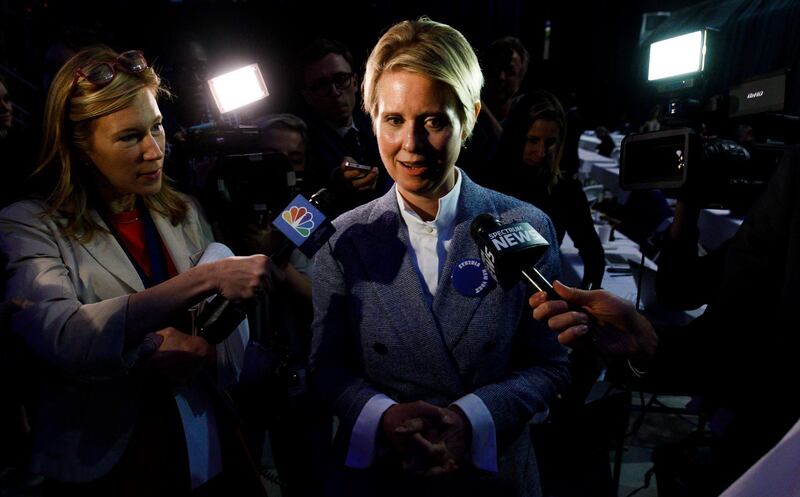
point(304, 223)
point(507, 249)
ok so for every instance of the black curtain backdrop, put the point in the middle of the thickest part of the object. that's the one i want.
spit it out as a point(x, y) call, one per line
point(594, 46)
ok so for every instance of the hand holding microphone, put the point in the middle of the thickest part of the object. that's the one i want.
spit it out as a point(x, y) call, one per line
point(510, 253)
point(618, 328)
point(585, 319)
point(305, 227)
point(242, 278)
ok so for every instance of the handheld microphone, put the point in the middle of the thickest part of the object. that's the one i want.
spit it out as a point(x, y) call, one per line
point(510, 252)
point(305, 227)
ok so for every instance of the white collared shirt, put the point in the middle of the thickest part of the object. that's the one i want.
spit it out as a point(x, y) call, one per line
point(431, 240)
point(344, 129)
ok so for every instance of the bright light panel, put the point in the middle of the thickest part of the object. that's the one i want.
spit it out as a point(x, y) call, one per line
point(675, 56)
point(238, 88)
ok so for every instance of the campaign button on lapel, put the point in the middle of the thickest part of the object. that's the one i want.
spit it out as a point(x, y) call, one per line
point(471, 279)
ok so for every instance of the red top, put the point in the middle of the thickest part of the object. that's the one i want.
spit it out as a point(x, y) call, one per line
point(130, 228)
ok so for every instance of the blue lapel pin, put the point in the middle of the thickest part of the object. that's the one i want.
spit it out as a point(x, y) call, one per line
point(471, 279)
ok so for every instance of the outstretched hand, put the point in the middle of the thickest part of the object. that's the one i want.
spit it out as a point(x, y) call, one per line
point(621, 331)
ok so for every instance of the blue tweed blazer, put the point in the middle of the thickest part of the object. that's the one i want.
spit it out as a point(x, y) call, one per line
point(375, 332)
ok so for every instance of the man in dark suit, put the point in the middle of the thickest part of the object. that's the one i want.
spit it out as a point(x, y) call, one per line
point(339, 133)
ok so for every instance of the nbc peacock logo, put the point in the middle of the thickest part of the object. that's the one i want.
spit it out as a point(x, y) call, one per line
point(300, 219)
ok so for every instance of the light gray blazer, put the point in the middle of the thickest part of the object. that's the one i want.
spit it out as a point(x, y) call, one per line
point(375, 332)
point(76, 326)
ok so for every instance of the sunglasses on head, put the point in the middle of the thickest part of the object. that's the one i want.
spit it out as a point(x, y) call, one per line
point(103, 73)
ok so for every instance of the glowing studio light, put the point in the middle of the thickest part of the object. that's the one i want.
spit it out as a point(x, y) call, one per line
point(238, 88)
point(676, 56)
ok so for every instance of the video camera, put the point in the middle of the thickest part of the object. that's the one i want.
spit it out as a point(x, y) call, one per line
point(223, 162)
point(258, 184)
point(213, 138)
point(719, 143)
point(252, 182)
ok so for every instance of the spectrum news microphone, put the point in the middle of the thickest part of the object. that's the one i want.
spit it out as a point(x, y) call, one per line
point(510, 252)
point(305, 227)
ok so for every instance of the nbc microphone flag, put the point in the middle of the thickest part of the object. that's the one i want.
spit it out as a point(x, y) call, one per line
point(299, 220)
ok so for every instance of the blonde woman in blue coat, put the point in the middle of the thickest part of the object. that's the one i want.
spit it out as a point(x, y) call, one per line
point(433, 388)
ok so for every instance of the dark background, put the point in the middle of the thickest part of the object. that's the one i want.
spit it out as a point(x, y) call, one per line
point(594, 47)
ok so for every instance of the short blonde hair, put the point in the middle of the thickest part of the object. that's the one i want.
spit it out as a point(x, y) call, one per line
point(431, 49)
point(71, 106)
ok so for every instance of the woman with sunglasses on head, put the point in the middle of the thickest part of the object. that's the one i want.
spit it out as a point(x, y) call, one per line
point(104, 257)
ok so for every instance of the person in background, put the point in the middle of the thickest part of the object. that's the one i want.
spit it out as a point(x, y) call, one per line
point(339, 133)
point(570, 162)
point(528, 167)
point(653, 123)
point(607, 144)
point(6, 110)
point(434, 382)
point(189, 161)
point(105, 255)
point(287, 134)
point(17, 151)
point(273, 394)
point(504, 64)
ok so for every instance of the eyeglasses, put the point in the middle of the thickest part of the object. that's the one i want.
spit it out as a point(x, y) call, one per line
point(103, 73)
point(322, 86)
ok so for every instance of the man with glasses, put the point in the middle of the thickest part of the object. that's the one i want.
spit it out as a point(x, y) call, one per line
point(340, 135)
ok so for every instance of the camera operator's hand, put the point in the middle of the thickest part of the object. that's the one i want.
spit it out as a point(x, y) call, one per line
point(621, 331)
point(356, 179)
point(241, 278)
point(180, 357)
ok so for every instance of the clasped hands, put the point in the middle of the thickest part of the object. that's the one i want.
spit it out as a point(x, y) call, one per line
point(429, 440)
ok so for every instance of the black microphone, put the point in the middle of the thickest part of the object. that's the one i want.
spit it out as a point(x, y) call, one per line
point(510, 252)
point(219, 318)
point(303, 229)
point(319, 232)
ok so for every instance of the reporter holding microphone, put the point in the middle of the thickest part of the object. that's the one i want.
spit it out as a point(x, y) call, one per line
point(433, 371)
point(106, 254)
